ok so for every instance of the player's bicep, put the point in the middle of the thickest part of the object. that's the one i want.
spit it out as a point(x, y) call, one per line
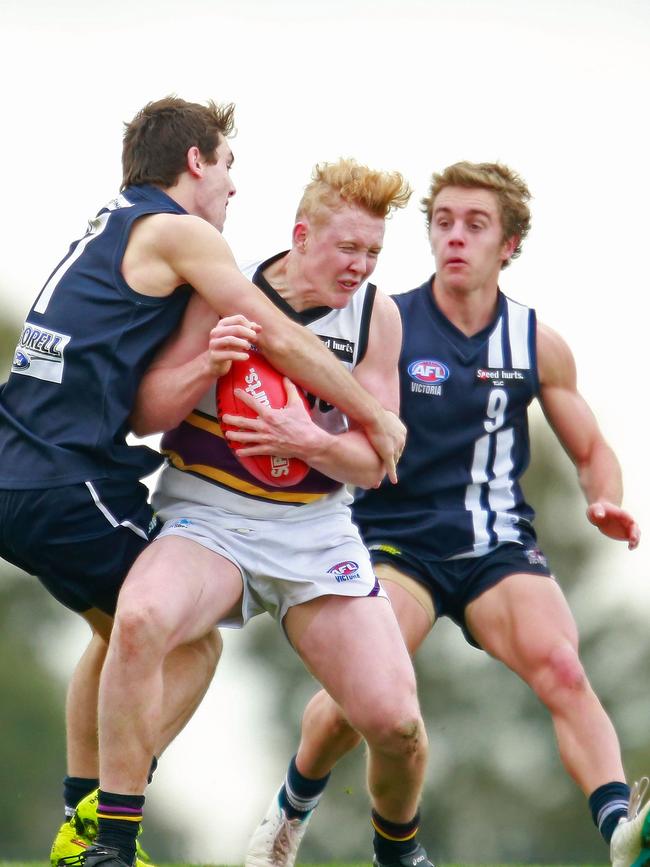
point(205, 261)
point(378, 371)
point(566, 410)
point(190, 338)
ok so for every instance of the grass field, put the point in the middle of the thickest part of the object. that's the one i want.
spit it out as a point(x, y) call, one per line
point(331, 864)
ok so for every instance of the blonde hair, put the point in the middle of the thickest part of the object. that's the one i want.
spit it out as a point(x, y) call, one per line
point(511, 192)
point(346, 182)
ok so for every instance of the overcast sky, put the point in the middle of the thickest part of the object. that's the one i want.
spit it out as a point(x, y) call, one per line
point(558, 90)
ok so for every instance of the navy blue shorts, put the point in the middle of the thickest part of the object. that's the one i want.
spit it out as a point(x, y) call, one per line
point(80, 540)
point(453, 584)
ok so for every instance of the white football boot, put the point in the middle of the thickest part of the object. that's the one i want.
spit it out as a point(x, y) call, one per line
point(630, 845)
point(276, 839)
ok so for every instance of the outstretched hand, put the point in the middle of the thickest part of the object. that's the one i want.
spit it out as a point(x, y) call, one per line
point(614, 522)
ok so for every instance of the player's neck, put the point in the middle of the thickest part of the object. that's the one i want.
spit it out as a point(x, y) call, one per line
point(285, 277)
point(470, 310)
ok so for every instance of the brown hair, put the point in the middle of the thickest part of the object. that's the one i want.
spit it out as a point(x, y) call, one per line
point(346, 182)
point(158, 138)
point(511, 192)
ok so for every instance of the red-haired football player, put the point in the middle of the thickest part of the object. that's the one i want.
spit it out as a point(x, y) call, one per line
point(232, 546)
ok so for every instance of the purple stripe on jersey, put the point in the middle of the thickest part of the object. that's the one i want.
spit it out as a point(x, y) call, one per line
point(198, 446)
point(375, 590)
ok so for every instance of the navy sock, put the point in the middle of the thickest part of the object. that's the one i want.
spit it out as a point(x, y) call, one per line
point(76, 788)
point(392, 840)
point(608, 805)
point(118, 821)
point(300, 795)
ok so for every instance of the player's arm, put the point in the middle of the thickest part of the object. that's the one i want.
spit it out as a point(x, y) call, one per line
point(290, 432)
point(184, 369)
point(574, 423)
point(200, 256)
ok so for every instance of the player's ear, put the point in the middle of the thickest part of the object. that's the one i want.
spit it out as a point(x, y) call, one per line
point(300, 232)
point(509, 247)
point(194, 162)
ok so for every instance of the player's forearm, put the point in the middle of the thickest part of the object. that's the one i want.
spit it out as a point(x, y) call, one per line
point(348, 458)
point(302, 357)
point(600, 476)
point(167, 395)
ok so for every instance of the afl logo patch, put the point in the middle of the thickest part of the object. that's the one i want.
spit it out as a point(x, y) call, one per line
point(21, 361)
point(347, 570)
point(428, 370)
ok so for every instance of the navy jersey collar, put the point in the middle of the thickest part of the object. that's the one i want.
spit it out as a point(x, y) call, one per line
point(153, 194)
point(458, 337)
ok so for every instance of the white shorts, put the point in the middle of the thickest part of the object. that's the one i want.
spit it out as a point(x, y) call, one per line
point(311, 551)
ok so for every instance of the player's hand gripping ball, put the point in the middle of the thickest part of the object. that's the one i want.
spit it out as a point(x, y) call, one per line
point(261, 380)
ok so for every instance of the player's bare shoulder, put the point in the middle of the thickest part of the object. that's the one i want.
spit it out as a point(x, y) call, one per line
point(555, 361)
point(171, 235)
point(386, 323)
point(161, 246)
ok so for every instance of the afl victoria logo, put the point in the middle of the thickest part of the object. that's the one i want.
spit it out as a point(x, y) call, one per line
point(344, 571)
point(21, 361)
point(428, 370)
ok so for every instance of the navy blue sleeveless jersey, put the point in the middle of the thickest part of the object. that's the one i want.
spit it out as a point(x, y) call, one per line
point(83, 349)
point(464, 402)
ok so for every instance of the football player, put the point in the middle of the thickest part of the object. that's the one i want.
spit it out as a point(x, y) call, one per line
point(232, 546)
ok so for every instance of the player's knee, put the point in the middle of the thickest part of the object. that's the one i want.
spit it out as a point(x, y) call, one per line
point(396, 732)
point(340, 730)
point(322, 714)
point(138, 629)
point(407, 738)
point(561, 675)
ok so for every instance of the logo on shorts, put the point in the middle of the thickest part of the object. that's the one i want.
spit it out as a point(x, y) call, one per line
point(347, 570)
point(180, 524)
point(535, 557)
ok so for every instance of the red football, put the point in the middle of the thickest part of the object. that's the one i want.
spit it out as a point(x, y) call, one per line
point(261, 380)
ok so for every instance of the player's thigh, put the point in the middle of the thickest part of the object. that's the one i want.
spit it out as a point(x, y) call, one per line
point(79, 540)
point(412, 604)
point(354, 647)
point(521, 620)
point(182, 587)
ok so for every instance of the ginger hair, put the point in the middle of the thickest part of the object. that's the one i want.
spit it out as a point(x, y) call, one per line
point(346, 182)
